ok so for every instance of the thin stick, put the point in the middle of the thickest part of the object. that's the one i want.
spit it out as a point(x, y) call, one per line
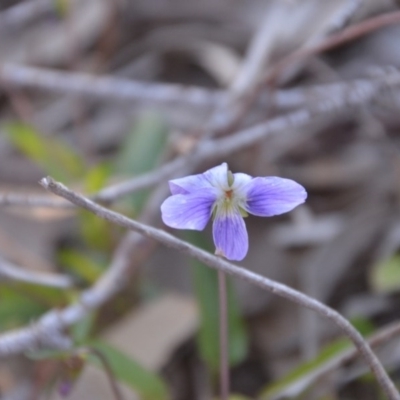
point(348, 34)
point(223, 337)
point(108, 87)
point(12, 272)
point(109, 372)
point(221, 265)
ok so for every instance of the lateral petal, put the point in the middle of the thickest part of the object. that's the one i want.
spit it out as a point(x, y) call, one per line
point(271, 195)
point(188, 211)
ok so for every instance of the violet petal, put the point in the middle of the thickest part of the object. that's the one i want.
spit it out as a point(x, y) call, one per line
point(273, 196)
point(230, 235)
point(192, 183)
point(188, 211)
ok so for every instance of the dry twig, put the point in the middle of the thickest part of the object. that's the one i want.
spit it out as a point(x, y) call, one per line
point(231, 269)
point(9, 271)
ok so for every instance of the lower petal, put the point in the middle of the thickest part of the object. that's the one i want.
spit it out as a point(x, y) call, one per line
point(230, 235)
point(270, 196)
point(188, 211)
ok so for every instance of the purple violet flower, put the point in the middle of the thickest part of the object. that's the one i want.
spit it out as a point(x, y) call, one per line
point(228, 198)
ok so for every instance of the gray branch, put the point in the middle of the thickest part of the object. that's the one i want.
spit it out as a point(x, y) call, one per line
point(231, 269)
point(9, 271)
point(107, 87)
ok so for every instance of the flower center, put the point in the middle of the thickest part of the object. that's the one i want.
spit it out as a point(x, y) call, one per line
point(229, 194)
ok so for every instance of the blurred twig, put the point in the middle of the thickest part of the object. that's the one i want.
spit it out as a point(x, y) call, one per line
point(9, 271)
point(18, 15)
point(346, 35)
point(109, 372)
point(108, 87)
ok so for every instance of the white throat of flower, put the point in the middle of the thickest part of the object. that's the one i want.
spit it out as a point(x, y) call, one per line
point(230, 199)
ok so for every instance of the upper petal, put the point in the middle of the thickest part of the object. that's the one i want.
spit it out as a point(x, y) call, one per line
point(188, 211)
point(213, 177)
point(218, 176)
point(230, 235)
point(241, 179)
point(273, 196)
point(188, 184)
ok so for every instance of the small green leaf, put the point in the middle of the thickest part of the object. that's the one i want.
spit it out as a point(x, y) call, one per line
point(45, 295)
point(81, 264)
point(149, 385)
point(61, 7)
point(82, 329)
point(141, 151)
point(17, 308)
point(96, 178)
point(96, 232)
point(206, 290)
point(55, 157)
point(385, 276)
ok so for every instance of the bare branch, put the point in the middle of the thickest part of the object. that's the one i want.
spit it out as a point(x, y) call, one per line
point(231, 269)
point(358, 94)
point(9, 271)
point(28, 200)
point(107, 87)
point(23, 12)
point(337, 39)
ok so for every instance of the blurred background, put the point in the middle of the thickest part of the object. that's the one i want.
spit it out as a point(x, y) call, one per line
point(97, 92)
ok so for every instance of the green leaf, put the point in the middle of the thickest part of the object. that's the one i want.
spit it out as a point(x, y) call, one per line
point(385, 276)
point(96, 178)
point(96, 232)
point(206, 290)
point(45, 295)
point(81, 264)
point(54, 156)
point(149, 385)
point(17, 309)
point(62, 7)
point(141, 151)
point(82, 329)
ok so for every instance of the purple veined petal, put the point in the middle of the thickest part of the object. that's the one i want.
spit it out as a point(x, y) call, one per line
point(188, 211)
point(273, 196)
point(188, 184)
point(230, 235)
point(218, 176)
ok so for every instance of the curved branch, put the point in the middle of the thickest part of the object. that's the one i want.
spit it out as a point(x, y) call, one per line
point(231, 269)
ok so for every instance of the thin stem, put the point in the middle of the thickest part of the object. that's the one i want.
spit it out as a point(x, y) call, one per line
point(221, 265)
point(109, 372)
point(223, 337)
